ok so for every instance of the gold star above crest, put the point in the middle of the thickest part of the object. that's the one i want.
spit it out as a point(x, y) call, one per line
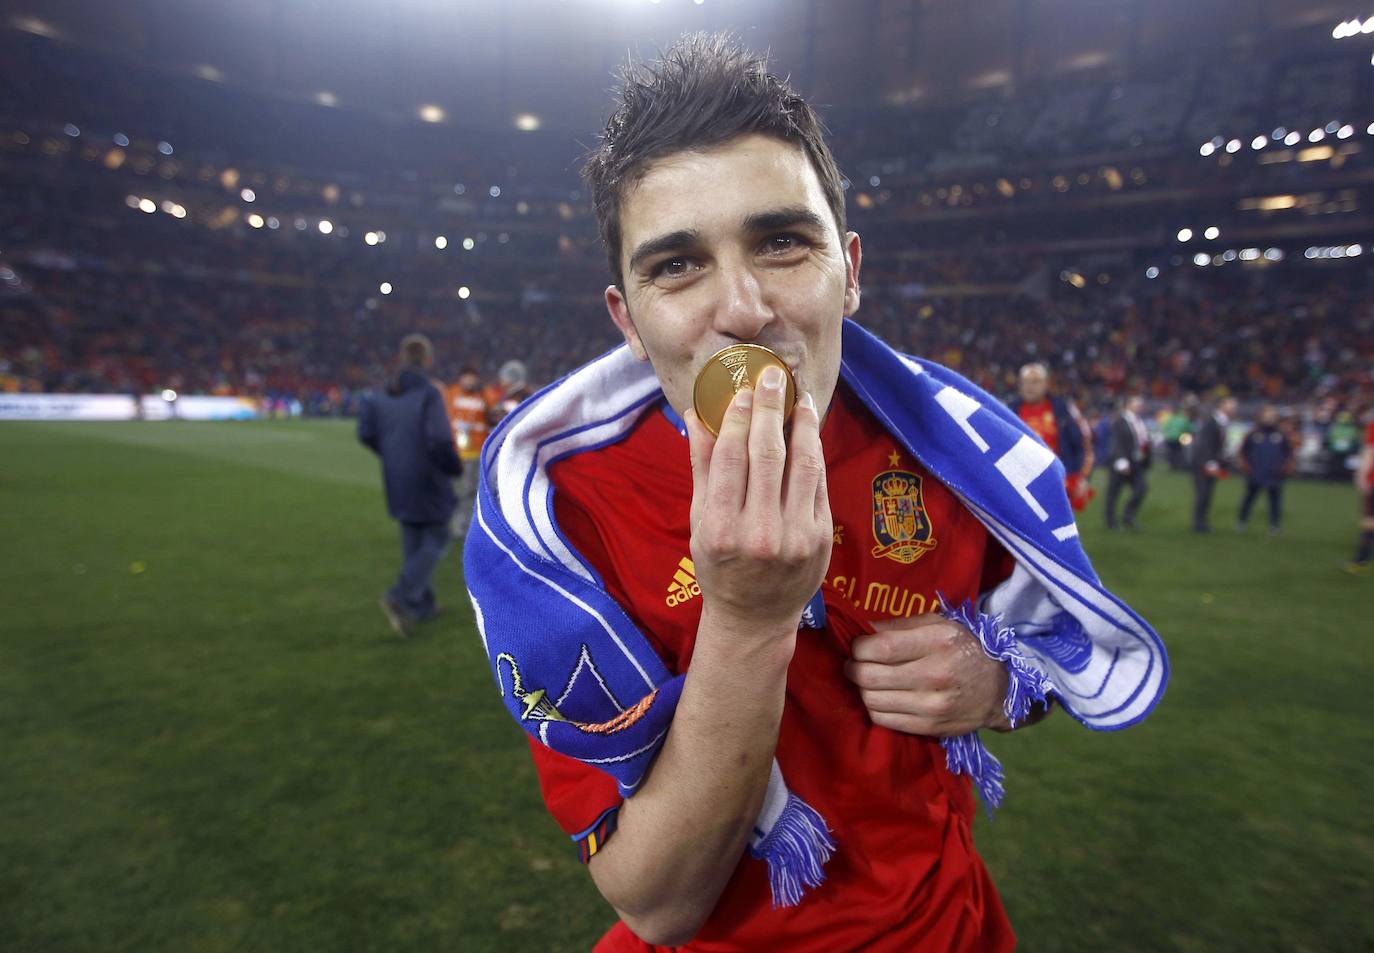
point(894, 459)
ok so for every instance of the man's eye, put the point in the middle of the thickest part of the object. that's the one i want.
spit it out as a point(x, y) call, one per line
point(782, 244)
point(672, 268)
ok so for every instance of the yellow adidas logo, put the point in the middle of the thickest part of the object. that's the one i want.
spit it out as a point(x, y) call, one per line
point(684, 587)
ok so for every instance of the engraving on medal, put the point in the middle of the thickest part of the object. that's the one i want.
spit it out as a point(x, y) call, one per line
point(731, 370)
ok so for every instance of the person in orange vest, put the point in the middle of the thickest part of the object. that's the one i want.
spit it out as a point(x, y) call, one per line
point(468, 409)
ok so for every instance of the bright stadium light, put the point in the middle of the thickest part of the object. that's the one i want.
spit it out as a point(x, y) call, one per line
point(1292, 139)
point(326, 226)
point(385, 288)
point(248, 195)
point(120, 139)
point(1233, 146)
point(147, 205)
point(1278, 134)
point(440, 242)
point(208, 72)
point(431, 113)
point(1206, 149)
point(256, 220)
point(131, 201)
point(1212, 233)
point(464, 292)
point(273, 222)
point(71, 130)
point(165, 148)
point(1249, 254)
point(1259, 142)
point(1273, 254)
point(169, 395)
point(1228, 255)
point(1354, 250)
point(1345, 132)
point(1185, 234)
point(1202, 259)
point(1316, 135)
point(469, 244)
point(325, 98)
point(527, 122)
point(370, 238)
point(1152, 272)
point(494, 191)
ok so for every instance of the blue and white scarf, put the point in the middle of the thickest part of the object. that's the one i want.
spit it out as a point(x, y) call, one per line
point(578, 675)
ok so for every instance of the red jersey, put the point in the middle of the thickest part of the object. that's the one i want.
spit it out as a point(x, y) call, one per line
point(1039, 417)
point(1369, 445)
point(905, 876)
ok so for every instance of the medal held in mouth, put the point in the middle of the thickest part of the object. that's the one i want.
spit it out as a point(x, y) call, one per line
point(727, 372)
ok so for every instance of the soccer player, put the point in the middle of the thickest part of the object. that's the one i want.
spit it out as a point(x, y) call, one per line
point(1057, 421)
point(468, 412)
point(1364, 485)
point(745, 702)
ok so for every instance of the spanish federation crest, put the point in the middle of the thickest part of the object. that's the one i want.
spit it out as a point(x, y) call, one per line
point(900, 524)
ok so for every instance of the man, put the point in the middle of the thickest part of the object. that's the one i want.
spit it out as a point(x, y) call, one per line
point(1209, 460)
point(511, 387)
point(1128, 456)
point(1364, 485)
point(1177, 424)
point(1056, 421)
point(468, 411)
point(744, 711)
point(1342, 440)
point(406, 426)
point(1267, 459)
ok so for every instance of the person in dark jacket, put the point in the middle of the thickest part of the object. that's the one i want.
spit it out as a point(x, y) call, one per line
point(406, 425)
point(1209, 460)
point(1266, 458)
point(1128, 457)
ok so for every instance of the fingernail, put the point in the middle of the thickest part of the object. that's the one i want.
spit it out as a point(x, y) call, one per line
point(744, 399)
point(807, 401)
point(771, 378)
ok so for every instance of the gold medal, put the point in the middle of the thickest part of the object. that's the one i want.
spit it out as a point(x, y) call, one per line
point(730, 370)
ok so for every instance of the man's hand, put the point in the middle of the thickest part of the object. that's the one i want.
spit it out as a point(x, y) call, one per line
point(761, 530)
point(928, 676)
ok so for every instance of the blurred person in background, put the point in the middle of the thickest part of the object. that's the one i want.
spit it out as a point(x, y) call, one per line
point(1128, 458)
point(1177, 425)
point(1342, 442)
point(1209, 460)
point(1057, 422)
point(1267, 459)
point(1364, 486)
point(468, 411)
point(511, 387)
point(407, 427)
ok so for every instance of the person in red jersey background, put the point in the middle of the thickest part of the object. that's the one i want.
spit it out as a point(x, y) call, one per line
point(1057, 421)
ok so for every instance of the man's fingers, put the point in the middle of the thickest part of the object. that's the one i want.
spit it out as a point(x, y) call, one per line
point(767, 449)
point(701, 442)
point(895, 646)
point(912, 622)
point(729, 467)
point(805, 461)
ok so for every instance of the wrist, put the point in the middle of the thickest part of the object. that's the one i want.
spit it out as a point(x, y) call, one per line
point(761, 640)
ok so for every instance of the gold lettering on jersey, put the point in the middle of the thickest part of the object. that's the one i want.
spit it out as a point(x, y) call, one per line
point(684, 586)
point(895, 601)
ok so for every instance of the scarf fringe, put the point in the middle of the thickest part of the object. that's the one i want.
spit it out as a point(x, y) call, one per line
point(796, 850)
point(1026, 686)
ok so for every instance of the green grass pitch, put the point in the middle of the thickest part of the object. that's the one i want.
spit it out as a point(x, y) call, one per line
point(209, 739)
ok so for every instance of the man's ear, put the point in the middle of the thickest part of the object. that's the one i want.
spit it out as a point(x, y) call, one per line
point(619, 310)
point(853, 258)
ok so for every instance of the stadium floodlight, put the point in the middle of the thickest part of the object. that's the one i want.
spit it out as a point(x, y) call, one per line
point(1249, 254)
point(469, 244)
point(370, 238)
point(1206, 149)
point(1212, 233)
point(464, 292)
point(494, 191)
point(440, 242)
point(1331, 127)
point(1278, 134)
point(326, 226)
point(527, 122)
point(210, 72)
point(120, 139)
point(1228, 255)
point(1345, 132)
point(874, 181)
point(1185, 234)
point(273, 222)
point(1311, 252)
point(1273, 254)
point(1152, 272)
point(1316, 135)
point(169, 395)
point(165, 148)
point(131, 201)
point(385, 288)
point(248, 195)
point(325, 98)
point(72, 130)
point(1354, 250)
point(1367, 26)
point(147, 205)
point(1259, 142)
point(1292, 139)
point(1202, 259)
point(1233, 146)
point(256, 220)
point(431, 113)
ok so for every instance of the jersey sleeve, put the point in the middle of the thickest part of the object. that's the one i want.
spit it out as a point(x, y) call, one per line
point(583, 800)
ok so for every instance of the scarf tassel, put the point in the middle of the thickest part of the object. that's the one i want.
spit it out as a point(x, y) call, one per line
point(795, 849)
point(1026, 686)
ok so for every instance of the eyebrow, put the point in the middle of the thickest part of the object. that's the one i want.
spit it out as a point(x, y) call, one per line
point(778, 218)
point(672, 241)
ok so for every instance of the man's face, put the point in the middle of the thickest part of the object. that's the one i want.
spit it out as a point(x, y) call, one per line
point(1034, 383)
point(729, 244)
point(1136, 405)
point(468, 381)
point(1269, 416)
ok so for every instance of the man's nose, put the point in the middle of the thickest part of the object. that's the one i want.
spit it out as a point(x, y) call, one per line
point(742, 310)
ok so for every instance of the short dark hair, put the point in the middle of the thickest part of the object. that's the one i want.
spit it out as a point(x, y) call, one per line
point(704, 90)
point(416, 351)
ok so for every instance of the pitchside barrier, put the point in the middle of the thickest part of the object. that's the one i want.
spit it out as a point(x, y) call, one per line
point(126, 407)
